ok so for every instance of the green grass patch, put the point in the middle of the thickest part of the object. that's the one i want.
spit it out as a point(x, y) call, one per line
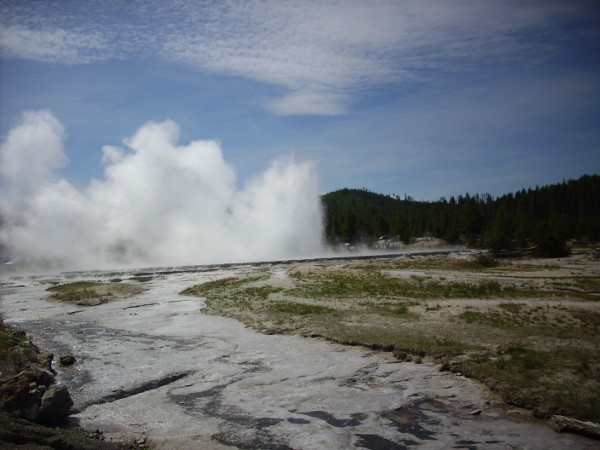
point(224, 284)
point(4, 338)
point(589, 320)
point(405, 342)
point(554, 321)
point(233, 294)
point(495, 319)
point(526, 376)
point(516, 365)
point(590, 284)
point(513, 308)
point(300, 309)
point(261, 292)
point(91, 293)
point(382, 286)
point(480, 262)
point(74, 292)
point(16, 350)
point(400, 310)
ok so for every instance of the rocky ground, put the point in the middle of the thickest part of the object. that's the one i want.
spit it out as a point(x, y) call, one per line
point(32, 405)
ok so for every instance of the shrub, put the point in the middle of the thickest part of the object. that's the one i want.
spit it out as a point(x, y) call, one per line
point(487, 261)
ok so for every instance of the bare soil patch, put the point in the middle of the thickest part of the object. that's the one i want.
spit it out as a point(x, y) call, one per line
point(527, 328)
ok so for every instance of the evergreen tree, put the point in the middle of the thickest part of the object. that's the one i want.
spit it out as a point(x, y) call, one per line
point(550, 243)
point(568, 210)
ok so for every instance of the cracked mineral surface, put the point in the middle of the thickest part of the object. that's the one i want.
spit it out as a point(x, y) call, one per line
point(153, 363)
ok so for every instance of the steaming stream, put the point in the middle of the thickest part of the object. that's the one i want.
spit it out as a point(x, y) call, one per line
point(155, 364)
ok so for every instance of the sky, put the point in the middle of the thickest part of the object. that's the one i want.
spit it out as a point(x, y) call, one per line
point(427, 98)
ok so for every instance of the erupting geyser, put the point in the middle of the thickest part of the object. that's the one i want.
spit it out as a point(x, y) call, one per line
point(158, 203)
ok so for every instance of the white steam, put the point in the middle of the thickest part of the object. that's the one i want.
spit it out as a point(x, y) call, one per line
point(158, 203)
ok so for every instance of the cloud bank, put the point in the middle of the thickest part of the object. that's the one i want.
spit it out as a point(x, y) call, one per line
point(159, 203)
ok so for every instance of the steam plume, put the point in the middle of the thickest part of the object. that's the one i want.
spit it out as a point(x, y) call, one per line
point(158, 203)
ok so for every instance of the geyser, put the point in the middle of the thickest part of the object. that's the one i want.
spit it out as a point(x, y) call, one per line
point(158, 203)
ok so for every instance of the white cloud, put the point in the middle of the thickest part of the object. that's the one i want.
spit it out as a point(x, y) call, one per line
point(112, 154)
point(53, 45)
point(310, 102)
point(319, 52)
point(323, 53)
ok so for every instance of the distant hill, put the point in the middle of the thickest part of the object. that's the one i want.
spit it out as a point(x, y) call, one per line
point(543, 217)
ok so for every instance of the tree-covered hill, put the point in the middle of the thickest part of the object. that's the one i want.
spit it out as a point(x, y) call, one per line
point(544, 216)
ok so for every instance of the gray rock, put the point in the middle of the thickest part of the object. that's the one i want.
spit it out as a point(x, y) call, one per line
point(14, 392)
point(31, 407)
point(566, 424)
point(45, 360)
point(55, 407)
point(33, 436)
point(44, 377)
point(67, 360)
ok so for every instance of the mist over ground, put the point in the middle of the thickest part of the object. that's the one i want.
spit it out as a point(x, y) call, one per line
point(158, 203)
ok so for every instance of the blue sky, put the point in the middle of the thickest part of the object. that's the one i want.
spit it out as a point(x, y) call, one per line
point(430, 98)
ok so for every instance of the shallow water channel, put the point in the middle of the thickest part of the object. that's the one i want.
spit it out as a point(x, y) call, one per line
point(155, 364)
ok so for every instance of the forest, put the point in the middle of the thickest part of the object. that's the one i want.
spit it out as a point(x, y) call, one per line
point(542, 218)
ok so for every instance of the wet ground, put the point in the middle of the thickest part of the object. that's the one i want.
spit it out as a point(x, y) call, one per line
point(154, 363)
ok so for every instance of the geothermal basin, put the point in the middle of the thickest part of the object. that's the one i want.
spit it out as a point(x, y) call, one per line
point(155, 365)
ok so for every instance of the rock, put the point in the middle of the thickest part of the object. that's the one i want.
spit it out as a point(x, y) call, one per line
point(475, 412)
point(44, 377)
point(67, 360)
point(400, 355)
point(516, 412)
point(116, 438)
point(14, 392)
point(29, 374)
point(26, 389)
point(565, 424)
point(55, 407)
point(31, 407)
point(16, 433)
point(19, 333)
point(543, 411)
point(23, 392)
point(141, 440)
point(45, 360)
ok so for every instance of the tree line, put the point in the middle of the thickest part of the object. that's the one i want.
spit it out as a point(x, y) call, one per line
point(542, 218)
